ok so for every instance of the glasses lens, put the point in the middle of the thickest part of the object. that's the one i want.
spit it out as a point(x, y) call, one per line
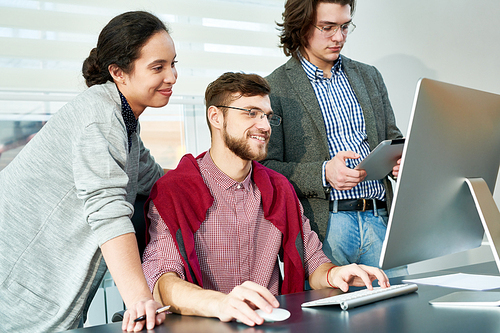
point(274, 120)
point(345, 29)
point(253, 113)
point(348, 28)
point(330, 30)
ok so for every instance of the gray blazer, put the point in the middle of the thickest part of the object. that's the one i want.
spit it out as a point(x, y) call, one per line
point(299, 147)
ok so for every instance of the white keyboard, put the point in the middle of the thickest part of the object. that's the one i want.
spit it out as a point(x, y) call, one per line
point(365, 296)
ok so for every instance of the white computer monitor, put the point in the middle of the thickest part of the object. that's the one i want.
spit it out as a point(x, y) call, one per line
point(453, 136)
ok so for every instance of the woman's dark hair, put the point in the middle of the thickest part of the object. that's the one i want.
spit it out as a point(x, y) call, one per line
point(120, 43)
point(298, 17)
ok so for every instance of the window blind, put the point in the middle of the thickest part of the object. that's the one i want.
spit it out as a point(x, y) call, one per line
point(44, 43)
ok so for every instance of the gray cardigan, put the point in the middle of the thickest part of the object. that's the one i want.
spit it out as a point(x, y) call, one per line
point(298, 147)
point(70, 190)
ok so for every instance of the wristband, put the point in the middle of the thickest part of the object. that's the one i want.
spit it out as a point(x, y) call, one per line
point(328, 274)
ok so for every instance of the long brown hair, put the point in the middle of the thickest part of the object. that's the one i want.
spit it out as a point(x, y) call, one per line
point(298, 17)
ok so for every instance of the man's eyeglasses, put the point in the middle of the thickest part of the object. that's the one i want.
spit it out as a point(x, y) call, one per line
point(330, 30)
point(274, 120)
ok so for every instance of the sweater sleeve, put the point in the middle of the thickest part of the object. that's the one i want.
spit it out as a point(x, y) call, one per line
point(149, 170)
point(99, 160)
point(161, 255)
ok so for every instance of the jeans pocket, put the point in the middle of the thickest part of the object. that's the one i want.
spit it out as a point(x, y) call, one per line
point(383, 216)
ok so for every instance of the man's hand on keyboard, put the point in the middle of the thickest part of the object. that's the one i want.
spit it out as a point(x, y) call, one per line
point(357, 275)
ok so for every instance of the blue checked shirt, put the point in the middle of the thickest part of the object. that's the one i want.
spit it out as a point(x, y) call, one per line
point(344, 124)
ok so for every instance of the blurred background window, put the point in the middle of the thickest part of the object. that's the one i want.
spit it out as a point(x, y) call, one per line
point(44, 43)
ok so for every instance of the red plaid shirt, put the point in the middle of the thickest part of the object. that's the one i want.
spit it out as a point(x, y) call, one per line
point(234, 244)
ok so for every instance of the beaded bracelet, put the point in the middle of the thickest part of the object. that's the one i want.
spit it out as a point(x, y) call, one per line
point(328, 281)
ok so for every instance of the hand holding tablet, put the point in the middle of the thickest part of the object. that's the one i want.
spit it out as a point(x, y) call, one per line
point(382, 159)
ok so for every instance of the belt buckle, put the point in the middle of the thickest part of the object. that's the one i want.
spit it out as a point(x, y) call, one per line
point(364, 205)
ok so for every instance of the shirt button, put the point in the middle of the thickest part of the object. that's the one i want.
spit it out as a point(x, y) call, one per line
point(239, 186)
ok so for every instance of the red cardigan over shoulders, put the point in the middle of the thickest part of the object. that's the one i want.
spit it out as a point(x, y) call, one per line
point(182, 200)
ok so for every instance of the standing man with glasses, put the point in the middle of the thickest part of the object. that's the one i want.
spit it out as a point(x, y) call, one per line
point(219, 221)
point(335, 111)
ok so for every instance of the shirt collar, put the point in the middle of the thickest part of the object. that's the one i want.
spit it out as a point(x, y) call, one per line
point(314, 73)
point(219, 178)
point(128, 116)
point(129, 119)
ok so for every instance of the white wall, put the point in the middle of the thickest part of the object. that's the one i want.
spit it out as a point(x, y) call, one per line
point(453, 41)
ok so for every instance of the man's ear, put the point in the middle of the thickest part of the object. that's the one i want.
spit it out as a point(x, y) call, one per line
point(117, 74)
point(215, 117)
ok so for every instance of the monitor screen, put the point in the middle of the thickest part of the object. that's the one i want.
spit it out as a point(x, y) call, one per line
point(454, 134)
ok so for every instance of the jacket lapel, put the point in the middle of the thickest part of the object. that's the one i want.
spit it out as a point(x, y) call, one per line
point(305, 92)
point(358, 85)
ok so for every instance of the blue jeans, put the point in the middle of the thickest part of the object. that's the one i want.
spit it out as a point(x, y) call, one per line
point(357, 237)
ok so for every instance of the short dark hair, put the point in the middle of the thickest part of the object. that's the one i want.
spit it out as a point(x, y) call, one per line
point(298, 17)
point(120, 43)
point(222, 90)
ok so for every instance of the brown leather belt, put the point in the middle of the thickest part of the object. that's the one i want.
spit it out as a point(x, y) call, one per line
point(358, 204)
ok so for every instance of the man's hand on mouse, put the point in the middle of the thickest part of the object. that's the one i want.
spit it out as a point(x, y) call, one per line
point(241, 302)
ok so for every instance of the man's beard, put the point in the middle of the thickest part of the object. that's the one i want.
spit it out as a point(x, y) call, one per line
point(241, 148)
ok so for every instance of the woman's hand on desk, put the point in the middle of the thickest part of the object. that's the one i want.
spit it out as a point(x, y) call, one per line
point(357, 275)
point(147, 308)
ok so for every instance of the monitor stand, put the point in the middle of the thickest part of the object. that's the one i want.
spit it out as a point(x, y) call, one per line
point(490, 217)
point(488, 213)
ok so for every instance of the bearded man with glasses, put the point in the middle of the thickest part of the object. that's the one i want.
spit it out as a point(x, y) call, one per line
point(218, 222)
point(334, 111)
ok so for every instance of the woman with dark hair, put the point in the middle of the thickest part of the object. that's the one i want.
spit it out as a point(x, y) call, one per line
point(67, 198)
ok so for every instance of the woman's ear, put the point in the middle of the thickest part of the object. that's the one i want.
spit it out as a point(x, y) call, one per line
point(117, 74)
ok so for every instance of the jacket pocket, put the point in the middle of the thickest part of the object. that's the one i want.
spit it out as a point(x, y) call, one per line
point(29, 300)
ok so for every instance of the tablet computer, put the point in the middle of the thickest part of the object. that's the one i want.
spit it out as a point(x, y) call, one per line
point(382, 159)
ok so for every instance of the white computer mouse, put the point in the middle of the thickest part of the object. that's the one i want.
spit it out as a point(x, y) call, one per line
point(278, 314)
